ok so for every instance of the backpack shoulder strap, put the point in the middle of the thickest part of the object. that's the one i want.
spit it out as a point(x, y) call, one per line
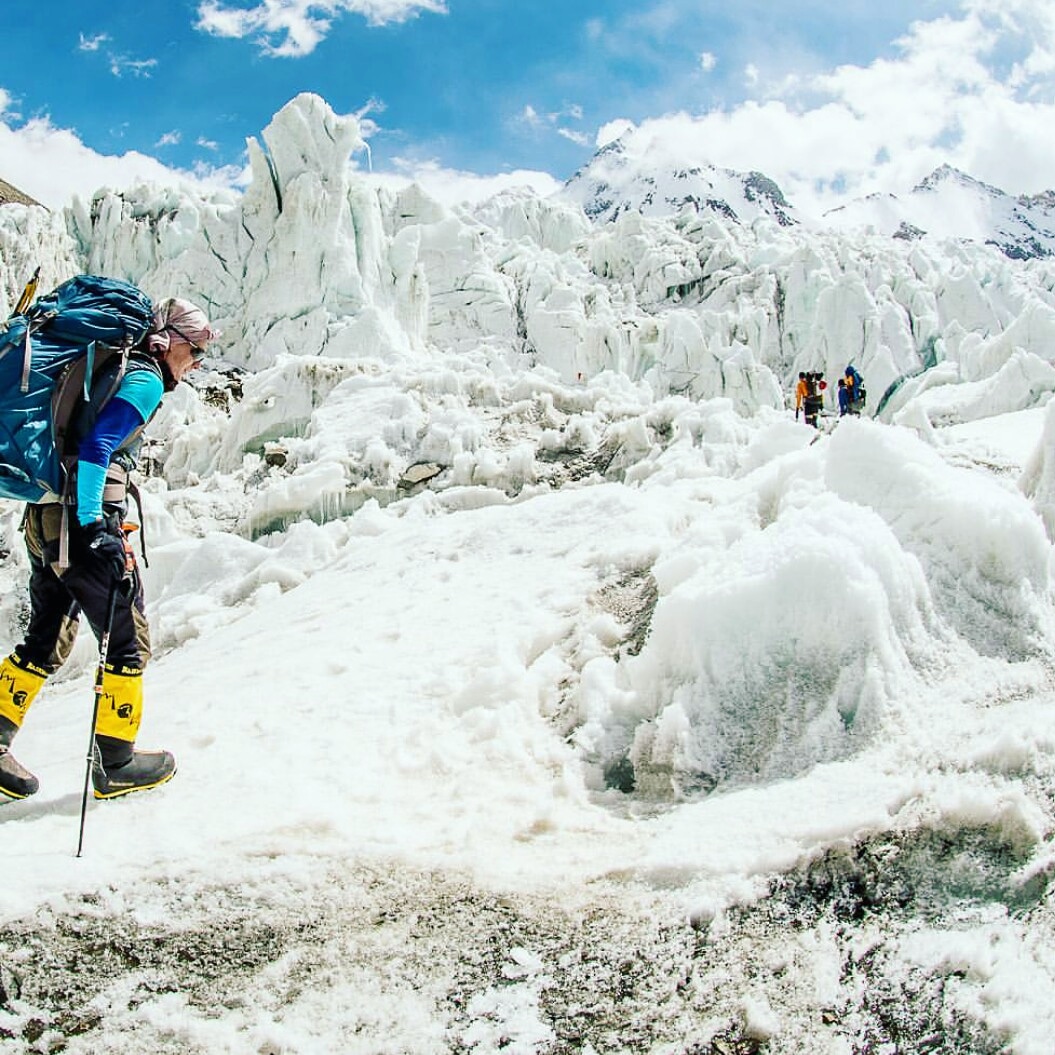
point(75, 387)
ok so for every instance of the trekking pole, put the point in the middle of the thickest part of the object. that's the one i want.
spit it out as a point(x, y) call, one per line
point(104, 648)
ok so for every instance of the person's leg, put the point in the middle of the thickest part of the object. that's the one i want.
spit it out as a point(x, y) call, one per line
point(121, 703)
point(46, 646)
point(121, 768)
point(23, 672)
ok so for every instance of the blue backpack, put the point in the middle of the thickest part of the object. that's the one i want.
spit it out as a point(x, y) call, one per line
point(858, 391)
point(49, 355)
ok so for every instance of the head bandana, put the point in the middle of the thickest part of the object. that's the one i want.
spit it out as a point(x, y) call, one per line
point(176, 319)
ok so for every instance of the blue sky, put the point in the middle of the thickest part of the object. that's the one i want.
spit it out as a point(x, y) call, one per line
point(486, 87)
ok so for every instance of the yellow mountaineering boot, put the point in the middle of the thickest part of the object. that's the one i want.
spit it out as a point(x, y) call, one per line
point(118, 768)
point(19, 684)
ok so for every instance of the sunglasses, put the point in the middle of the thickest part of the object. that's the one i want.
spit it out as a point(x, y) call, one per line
point(196, 350)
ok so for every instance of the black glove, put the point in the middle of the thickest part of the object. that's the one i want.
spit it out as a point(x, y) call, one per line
point(108, 549)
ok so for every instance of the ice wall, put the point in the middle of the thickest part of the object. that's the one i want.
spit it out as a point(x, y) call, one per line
point(313, 259)
point(32, 237)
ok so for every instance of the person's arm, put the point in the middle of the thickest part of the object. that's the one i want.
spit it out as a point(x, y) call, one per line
point(137, 397)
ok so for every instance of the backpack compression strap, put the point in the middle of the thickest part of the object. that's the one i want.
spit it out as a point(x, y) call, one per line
point(27, 358)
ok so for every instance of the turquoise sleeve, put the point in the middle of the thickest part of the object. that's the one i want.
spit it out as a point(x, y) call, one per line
point(143, 389)
point(136, 399)
point(91, 479)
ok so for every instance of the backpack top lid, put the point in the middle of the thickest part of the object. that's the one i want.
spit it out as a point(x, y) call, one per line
point(90, 308)
point(38, 351)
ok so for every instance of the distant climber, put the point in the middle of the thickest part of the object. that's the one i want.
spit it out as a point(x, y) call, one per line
point(813, 402)
point(856, 385)
point(844, 397)
point(800, 393)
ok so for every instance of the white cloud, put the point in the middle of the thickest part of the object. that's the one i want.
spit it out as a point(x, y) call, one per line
point(121, 64)
point(579, 138)
point(530, 116)
point(453, 186)
point(169, 139)
point(294, 28)
point(92, 43)
point(976, 90)
point(610, 132)
point(367, 125)
point(554, 122)
point(708, 61)
point(52, 165)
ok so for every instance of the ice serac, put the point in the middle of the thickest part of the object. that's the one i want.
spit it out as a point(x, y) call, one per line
point(544, 222)
point(296, 265)
point(818, 673)
point(32, 237)
point(957, 525)
point(316, 249)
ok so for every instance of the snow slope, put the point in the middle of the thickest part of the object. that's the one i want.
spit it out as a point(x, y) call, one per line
point(538, 683)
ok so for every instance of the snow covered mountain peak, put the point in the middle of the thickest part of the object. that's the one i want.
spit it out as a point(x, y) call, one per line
point(625, 176)
point(947, 174)
point(950, 203)
point(631, 174)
